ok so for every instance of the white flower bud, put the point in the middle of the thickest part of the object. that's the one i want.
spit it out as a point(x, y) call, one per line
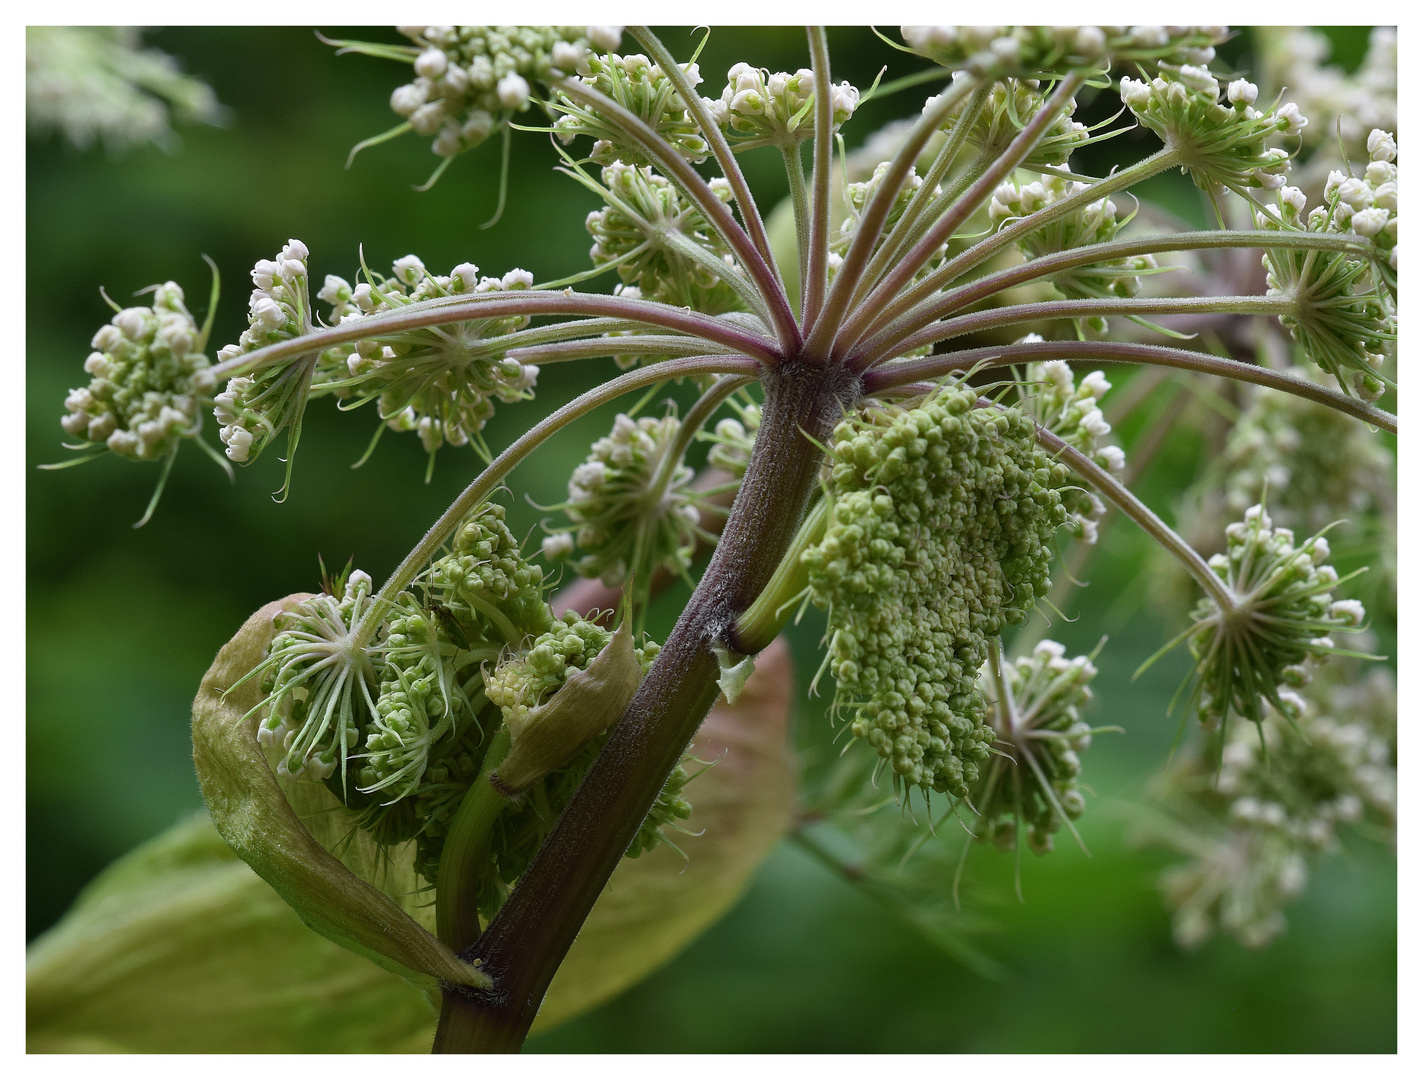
point(513, 91)
point(605, 38)
point(1369, 222)
point(1381, 146)
point(431, 63)
point(132, 322)
point(1242, 90)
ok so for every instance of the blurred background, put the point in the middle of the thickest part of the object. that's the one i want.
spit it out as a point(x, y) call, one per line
point(122, 623)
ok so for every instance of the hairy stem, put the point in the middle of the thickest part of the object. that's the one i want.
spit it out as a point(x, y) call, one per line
point(812, 282)
point(884, 307)
point(527, 940)
point(1113, 490)
point(919, 256)
point(530, 304)
point(891, 376)
point(762, 274)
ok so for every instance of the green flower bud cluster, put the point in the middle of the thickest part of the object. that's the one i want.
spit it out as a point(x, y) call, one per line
point(149, 382)
point(493, 592)
point(1282, 612)
point(1031, 50)
point(734, 438)
point(318, 682)
point(440, 382)
point(660, 242)
point(857, 198)
point(1278, 798)
point(632, 505)
point(89, 82)
point(641, 87)
point(1341, 318)
point(1315, 464)
point(1096, 223)
point(422, 698)
point(1037, 718)
point(1221, 144)
point(1011, 104)
point(253, 408)
point(939, 534)
point(758, 108)
point(1051, 396)
point(526, 681)
point(470, 80)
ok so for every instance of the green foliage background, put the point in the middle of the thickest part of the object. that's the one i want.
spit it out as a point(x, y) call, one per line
point(122, 623)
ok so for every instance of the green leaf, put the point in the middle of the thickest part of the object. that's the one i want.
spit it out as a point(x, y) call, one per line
point(253, 814)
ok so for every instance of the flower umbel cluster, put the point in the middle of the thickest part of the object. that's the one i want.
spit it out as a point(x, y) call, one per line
point(439, 382)
point(94, 82)
point(1047, 50)
point(1341, 314)
point(253, 408)
point(939, 534)
point(1281, 798)
point(660, 242)
point(641, 87)
point(758, 108)
point(1031, 781)
point(1096, 223)
point(149, 385)
point(471, 80)
point(632, 505)
point(1249, 654)
point(1220, 143)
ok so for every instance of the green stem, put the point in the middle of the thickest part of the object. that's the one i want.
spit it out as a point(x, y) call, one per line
point(800, 203)
point(812, 282)
point(464, 858)
point(765, 618)
point(1143, 515)
point(1013, 314)
point(890, 376)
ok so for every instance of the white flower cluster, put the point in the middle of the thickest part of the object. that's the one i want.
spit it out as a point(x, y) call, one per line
point(439, 382)
point(660, 242)
point(1070, 410)
point(857, 198)
point(1368, 205)
point(1033, 50)
point(1348, 106)
point(1277, 627)
point(1220, 143)
point(762, 108)
point(1280, 798)
point(1096, 223)
point(469, 80)
point(1011, 104)
point(149, 380)
point(1343, 312)
point(632, 505)
point(254, 408)
point(1038, 716)
point(94, 82)
point(641, 87)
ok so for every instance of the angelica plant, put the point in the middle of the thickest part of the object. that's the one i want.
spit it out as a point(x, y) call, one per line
point(443, 772)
